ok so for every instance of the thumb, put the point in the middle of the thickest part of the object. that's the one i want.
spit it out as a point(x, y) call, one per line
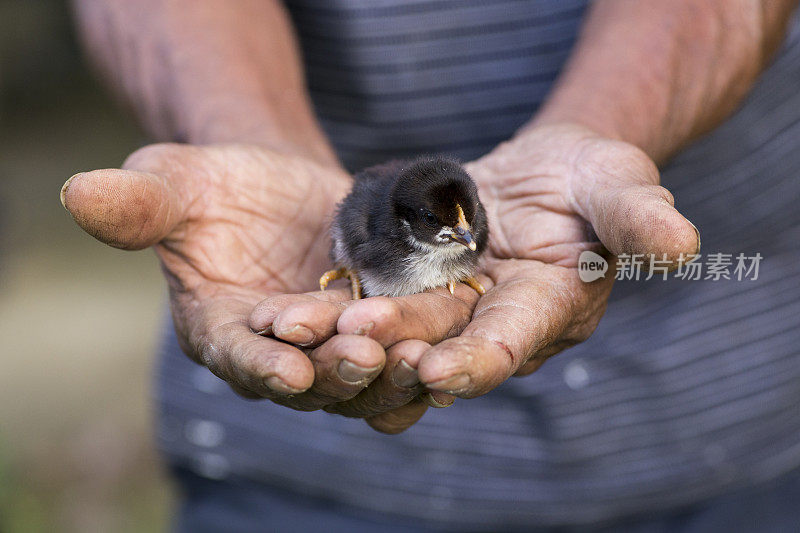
point(123, 208)
point(641, 219)
point(632, 215)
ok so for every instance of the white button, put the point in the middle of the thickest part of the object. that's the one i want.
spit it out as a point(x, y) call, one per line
point(205, 433)
point(575, 374)
point(212, 466)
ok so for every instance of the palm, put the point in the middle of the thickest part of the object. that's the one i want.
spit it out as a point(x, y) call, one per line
point(256, 223)
point(530, 208)
point(231, 225)
point(530, 220)
point(537, 235)
point(549, 196)
point(237, 225)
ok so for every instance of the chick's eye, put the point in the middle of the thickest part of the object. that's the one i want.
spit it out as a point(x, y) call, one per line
point(429, 218)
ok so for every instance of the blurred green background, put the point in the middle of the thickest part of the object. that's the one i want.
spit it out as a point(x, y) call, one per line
point(78, 321)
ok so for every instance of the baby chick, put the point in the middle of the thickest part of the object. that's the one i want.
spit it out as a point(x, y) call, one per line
point(409, 226)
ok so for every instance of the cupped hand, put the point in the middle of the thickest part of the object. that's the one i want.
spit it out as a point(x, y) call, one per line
point(232, 225)
point(550, 193)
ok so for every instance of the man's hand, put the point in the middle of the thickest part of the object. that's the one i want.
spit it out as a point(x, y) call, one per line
point(233, 224)
point(550, 194)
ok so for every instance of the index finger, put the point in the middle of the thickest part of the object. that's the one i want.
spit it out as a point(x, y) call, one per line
point(217, 336)
point(395, 387)
point(430, 316)
point(312, 318)
point(532, 307)
point(307, 319)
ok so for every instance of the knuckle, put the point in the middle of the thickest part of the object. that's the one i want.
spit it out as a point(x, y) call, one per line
point(409, 350)
point(244, 369)
point(664, 193)
point(583, 333)
point(245, 393)
point(584, 328)
point(306, 404)
point(209, 356)
point(647, 167)
point(152, 157)
point(381, 404)
point(388, 310)
point(358, 407)
point(297, 403)
point(530, 366)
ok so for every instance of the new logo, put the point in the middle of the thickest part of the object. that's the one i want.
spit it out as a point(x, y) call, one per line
point(591, 266)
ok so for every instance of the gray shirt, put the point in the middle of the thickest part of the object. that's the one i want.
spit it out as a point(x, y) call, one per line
point(687, 390)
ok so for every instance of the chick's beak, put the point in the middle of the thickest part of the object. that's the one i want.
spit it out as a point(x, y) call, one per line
point(464, 236)
point(462, 233)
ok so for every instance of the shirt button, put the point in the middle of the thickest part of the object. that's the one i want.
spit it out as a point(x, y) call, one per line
point(575, 374)
point(205, 433)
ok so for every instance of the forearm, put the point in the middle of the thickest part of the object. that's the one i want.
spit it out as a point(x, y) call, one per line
point(657, 74)
point(205, 71)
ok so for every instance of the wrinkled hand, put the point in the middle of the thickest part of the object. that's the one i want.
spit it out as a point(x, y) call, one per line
point(232, 225)
point(550, 194)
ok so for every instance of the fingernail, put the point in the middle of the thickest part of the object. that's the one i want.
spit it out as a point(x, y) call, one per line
point(352, 373)
point(697, 252)
point(278, 385)
point(300, 334)
point(404, 375)
point(363, 329)
point(267, 331)
point(451, 385)
point(431, 400)
point(63, 194)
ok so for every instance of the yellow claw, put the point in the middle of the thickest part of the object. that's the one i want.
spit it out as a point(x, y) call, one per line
point(475, 284)
point(339, 273)
point(471, 281)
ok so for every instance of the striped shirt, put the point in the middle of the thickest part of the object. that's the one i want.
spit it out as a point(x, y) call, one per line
point(686, 391)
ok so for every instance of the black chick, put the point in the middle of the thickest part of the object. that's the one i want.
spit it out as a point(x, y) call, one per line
point(409, 226)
